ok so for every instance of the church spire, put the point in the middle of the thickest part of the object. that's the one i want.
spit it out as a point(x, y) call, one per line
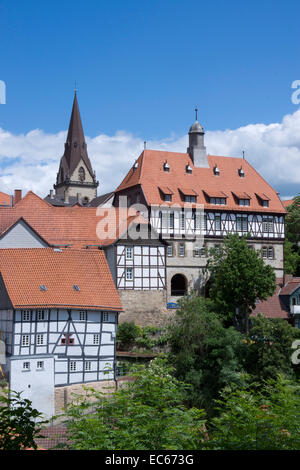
point(75, 170)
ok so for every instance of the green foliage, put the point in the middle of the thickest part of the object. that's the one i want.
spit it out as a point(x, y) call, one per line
point(127, 334)
point(239, 277)
point(204, 353)
point(269, 348)
point(292, 234)
point(146, 414)
point(249, 420)
point(18, 427)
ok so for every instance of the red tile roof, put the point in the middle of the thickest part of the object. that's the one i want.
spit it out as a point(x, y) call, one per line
point(25, 270)
point(5, 199)
point(76, 226)
point(151, 175)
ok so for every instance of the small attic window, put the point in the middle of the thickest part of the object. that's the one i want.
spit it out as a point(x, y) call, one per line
point(43, 288)
point(166, 167)
point(76, 287)
point(135, 166)
point(216, 171)
point(188, 169)
point(241, 173)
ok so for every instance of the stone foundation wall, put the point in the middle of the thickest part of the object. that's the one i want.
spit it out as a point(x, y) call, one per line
point(64, 395)
point(144, 307)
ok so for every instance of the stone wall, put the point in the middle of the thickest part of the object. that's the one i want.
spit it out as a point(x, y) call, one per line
point(64, 395)
point(144, 307)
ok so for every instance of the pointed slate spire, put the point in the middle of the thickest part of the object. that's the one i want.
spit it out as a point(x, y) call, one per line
point(75, 146)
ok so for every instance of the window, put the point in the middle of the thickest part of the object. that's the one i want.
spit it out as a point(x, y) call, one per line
point(39, 340)
point(218, 200)
point(171, 220)
point(43, 288)
point(72, 366)
point(26, 315)
point(182, 221)
point(241, 173)
point(26, 365)
point(189, 198)
point(203, 251)
point(265, 203)
point(242, 223)
point(67, 339)
point(129, 274)
point(25, 340)
point(204, 222)
point(166, 167)
point(168, 197)
point(81, 174)
point(216, 171)
point(170, 250)
point(129, 252)
point(40, 365)
point(96, 339)
point(244, 202)
point(181, 249)
point(40, 315)
point(197, 252)
point(218, 222)
point(88, 365)
point(105, 317)
point(82, 315)
point(188, 169)
point(268, 252)
point(268, 224)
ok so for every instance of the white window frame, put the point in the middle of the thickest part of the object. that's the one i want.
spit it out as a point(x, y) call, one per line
point(170, 250)
point(40, 339)
point(96, 339)
point(129, 252)
point(72, 367)
point(40, 365)
point(105, 317)
point(26, 366)
point(82, 315)
point(25, 340)
point(87, 366)
point(129, 274)
point(40, 315)
point(181, 250)
point(26, 315)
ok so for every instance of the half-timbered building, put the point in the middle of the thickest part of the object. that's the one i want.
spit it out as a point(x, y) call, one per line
point(194, 200)
point(58, 318)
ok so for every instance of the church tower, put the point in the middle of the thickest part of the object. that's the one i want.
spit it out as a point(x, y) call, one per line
point(76, 180)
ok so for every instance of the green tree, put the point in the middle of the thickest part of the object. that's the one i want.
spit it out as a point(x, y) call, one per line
point(239, 277)
point(269, 348)
point(127, 335)
point(251, 420)
point(18, 423)
point(146, 414)
point(292, 234)
point(203, 352)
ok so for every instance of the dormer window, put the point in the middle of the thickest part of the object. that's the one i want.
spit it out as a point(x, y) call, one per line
point(166, 193)
point(166, 167)
point(218, 200)
point(263, 199)
point(216, 171)
point(188, 169)
point(167, 197)
point(189, 198)
point(244, 202)
point(135, 166)
point(241, 173)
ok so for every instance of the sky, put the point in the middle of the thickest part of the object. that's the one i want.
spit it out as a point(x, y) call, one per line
point(140, 68)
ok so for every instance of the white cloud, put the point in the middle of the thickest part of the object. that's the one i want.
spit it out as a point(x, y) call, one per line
point(30, 161)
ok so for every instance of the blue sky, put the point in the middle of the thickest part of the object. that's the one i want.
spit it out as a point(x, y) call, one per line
point(142, 66)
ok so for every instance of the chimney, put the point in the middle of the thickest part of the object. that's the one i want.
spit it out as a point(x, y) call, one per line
point(51, 193)
point(66, 197)
point(18, 195)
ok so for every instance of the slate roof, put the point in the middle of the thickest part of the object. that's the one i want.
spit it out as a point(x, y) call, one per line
point(25, 270)
point(151, 175)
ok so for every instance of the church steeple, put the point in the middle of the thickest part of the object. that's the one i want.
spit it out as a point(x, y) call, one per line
point(76, 175)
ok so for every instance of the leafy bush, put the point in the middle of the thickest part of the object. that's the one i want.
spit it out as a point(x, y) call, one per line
point(127, 334)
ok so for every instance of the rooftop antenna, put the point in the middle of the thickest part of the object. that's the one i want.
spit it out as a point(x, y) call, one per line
point(145, 144)
point(244, 154)
point(196, 111)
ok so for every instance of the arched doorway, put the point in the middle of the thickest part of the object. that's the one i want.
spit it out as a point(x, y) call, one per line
point(178, 285)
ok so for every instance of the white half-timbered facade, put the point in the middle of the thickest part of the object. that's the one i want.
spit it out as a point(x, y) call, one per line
point(50, 345)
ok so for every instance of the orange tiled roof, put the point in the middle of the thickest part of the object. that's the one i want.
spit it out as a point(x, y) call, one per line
point(151, 175)
point(25, 270)
point(76, 226)
point(5, 199)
